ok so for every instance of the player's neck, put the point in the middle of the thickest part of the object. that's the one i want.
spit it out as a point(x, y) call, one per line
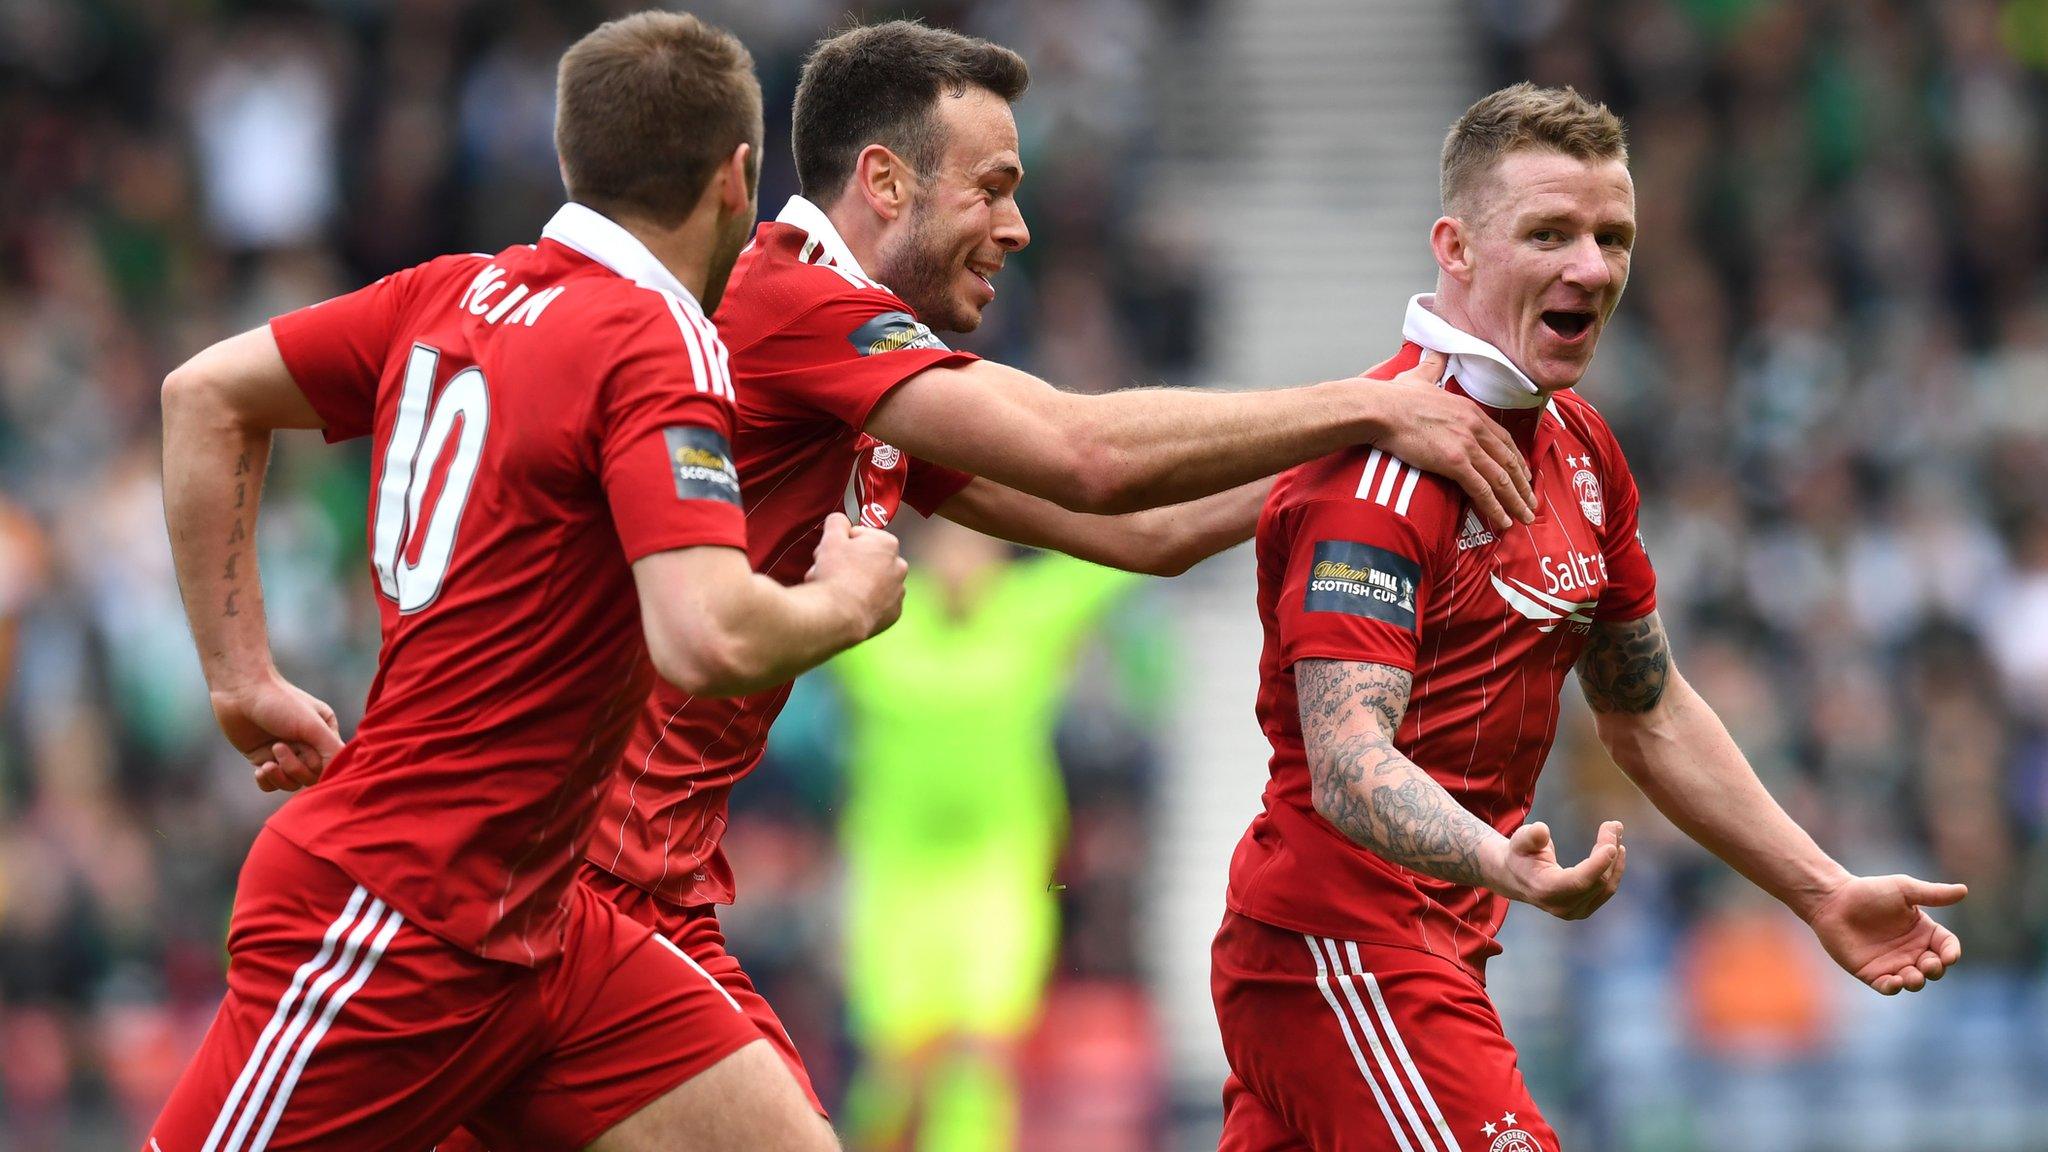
point(1441, 324)
point(684, 251)
point(858, 229)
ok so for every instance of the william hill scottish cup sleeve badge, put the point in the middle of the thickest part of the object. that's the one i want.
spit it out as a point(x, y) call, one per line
point(892, 332)
point(1361, 580)
point(701, 461)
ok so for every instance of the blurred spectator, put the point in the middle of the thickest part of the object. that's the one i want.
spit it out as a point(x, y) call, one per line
point(264, 123)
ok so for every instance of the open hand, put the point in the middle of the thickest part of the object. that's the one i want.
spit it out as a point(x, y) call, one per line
point(287, 734)
point(1874, 928)
point(1449, 435)
point(1526, 869)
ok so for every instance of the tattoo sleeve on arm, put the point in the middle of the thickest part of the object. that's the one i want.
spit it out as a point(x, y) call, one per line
point(1626, 666)
point(1365, 787)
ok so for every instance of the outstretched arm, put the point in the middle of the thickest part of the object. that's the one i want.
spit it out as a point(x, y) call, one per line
point(1680, 754)
point(219, 410)
point(1147, 447)
point(1158, 541)
point(1381, 800)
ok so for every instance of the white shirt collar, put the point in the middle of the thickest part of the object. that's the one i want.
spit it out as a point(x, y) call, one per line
point(1483, 371)
point(811, 220)
point(597, 236)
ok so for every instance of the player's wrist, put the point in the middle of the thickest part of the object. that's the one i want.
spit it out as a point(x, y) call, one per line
point(1371, 407)
point(1810, 896)
point(1496, 869)
point(238, 675)
point(847, 614)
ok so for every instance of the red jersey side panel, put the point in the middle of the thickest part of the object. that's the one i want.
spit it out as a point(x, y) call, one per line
point(814, 348)
point(539, 421)
point(1362, 559)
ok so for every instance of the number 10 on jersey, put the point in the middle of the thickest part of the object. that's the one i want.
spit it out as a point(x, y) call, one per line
point(411, 553)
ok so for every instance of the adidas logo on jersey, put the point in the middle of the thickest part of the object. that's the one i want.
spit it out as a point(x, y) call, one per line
point(1473, 534)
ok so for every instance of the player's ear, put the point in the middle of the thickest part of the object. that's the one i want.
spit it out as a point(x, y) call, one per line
point(883, 180)
point(736, 182)
point(1450, 243)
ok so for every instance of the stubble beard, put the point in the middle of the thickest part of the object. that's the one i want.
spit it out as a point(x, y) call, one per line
point(918, 272)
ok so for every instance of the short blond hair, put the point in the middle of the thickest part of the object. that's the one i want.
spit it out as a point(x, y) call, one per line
point(1524, 117)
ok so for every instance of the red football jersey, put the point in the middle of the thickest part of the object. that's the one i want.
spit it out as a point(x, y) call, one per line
point(541, 418)
point(815, 345)
point(1361, 557)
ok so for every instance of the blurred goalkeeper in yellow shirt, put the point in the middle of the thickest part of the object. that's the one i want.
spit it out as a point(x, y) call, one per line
point(953, 824)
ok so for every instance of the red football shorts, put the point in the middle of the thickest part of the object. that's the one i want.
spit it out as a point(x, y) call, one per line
point(345, 1028)
point(695, 931)
point(1345, 1047)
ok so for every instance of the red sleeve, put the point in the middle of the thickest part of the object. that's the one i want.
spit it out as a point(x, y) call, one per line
point(336, 350)
point(930, 485)
point(666, 438)
point(1631, 583)
point(843, 355)
point(1357, 584)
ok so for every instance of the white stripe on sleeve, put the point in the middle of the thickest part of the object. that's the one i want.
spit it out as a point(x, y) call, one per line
point(699, 371)
point(1407, 490)
point(1372, 464)
point(1387, 480)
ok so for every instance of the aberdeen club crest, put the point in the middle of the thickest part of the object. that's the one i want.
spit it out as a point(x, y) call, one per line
point(1587, 486)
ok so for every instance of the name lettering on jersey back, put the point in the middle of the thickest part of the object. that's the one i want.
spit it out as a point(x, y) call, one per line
point(496, 299)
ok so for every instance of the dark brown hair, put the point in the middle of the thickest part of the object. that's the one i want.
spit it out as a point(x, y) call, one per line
point(1523, 116)
point(647, 107)
point(880, 84)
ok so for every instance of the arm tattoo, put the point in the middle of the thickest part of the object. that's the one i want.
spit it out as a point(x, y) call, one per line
point(1625, 667)
point(1365, 787)
point(238, 536)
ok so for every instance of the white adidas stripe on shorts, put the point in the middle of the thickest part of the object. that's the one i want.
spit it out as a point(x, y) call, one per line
point(349, 951)
point(1410, 1110)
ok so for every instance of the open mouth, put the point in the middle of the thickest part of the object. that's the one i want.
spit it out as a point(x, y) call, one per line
point(1568, 324)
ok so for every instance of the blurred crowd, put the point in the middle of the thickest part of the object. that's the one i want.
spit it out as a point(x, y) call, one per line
point(174, 173)
point(1831, 376)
